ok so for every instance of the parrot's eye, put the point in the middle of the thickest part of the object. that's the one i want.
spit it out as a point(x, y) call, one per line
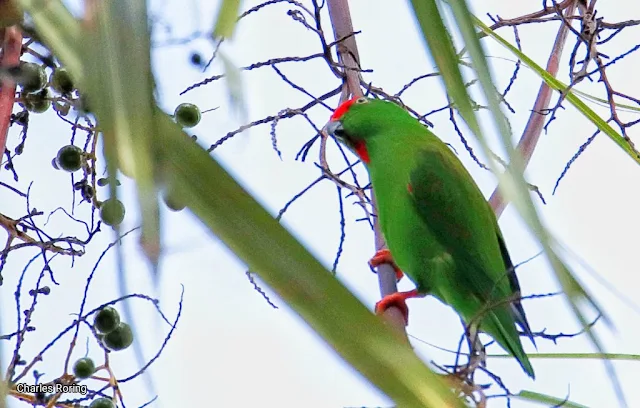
point(340, 133)
point(362, 100)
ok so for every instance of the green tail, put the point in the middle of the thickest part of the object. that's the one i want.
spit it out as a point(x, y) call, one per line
point(500, 325)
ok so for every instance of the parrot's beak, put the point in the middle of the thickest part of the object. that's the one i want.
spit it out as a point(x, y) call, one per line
point(334, 128)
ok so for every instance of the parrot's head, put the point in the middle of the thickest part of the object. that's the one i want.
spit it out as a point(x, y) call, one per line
point(358, 121)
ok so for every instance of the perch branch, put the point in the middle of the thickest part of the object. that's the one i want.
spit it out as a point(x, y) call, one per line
point(348, 56)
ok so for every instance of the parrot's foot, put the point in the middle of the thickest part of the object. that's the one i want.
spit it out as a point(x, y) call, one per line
point(383, 256)
point(398, 300)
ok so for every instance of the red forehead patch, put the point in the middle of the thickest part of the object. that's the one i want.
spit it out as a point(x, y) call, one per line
point(343, 108)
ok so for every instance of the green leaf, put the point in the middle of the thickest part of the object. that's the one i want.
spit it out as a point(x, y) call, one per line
point(120, 90)
point(443, 52)
point(577, 356)
point(603, 102)
point(546, 399)
point(227, 18)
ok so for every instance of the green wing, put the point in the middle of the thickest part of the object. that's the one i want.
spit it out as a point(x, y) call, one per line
point(455, 211)
point(521, 317)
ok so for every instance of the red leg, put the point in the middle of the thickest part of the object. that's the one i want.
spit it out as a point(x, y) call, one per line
point(398, 300)
point(383, 256)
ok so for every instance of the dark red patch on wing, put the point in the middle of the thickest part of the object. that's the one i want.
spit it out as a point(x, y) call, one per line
point(410, 188)
point(361, 151)
point(343, 108)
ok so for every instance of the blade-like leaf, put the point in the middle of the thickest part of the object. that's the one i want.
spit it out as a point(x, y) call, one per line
point(443, 52)
point(120, 89)
point(547, 400)
point(577, 356)
point(227, 18)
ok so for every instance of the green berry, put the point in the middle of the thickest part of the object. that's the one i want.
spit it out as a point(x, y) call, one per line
point(37, 102)
point(61, 81)
point(172, 201)
point(102, 403)
point(32, 77)
point(112, 212)
point(69, 158)
point(84, 368)
point(106, 320)
point(187, 115)
point(120, 338)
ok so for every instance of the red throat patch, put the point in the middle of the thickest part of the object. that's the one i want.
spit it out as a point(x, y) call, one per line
point(361, 151)
point(360, 147)
point(343, 108)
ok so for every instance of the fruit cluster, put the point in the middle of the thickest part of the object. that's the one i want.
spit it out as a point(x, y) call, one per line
point(36, 91)
point(115, 335)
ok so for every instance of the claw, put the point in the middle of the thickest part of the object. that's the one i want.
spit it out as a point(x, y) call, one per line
point(398, 300)
point(383, 256)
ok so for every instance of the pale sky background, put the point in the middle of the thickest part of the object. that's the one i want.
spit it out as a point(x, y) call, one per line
point(231, 349)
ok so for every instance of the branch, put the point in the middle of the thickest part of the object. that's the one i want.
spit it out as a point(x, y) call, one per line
point(348, 56)
point(11, 226)
point(532, 131)
point(347, 49)
point(11, 51)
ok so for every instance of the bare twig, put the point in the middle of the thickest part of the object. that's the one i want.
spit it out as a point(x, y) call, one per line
point(11, 227)
point(534, 17)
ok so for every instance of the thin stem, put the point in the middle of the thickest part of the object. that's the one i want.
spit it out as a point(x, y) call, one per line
point(532, 131)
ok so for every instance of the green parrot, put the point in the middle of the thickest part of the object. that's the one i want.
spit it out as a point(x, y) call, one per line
point(439, 229)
